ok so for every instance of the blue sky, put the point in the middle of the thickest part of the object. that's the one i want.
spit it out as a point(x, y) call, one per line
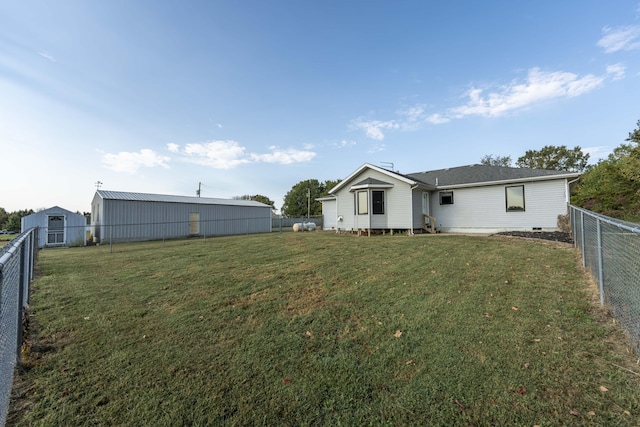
point(251, 97)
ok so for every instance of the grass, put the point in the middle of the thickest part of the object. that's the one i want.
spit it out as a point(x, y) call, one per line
point(322, 329)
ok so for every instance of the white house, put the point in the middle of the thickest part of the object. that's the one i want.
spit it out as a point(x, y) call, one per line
point(123, 216)
point(57, 227)
point(466, 199)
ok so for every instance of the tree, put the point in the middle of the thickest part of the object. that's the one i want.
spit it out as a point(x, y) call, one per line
point(493, 160)
point(302, 197)
point(612, 187)
point(13, 223)
point(4, 215)
point(258, 198)
point(555, 158)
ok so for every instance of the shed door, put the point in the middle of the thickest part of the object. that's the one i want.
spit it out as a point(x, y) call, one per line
point(55, 229)
point(194, 223)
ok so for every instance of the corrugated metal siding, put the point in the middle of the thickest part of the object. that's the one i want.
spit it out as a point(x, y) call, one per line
point(145, 220)
point(74, 226)
point(484, 208)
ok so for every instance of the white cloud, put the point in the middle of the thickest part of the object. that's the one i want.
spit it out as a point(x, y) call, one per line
point(376, 148)
point(436, 119)
point(538, 86)
point(47, 56)
point(230, 154)
point(130, 162)
point(345, 143)
point(373, 128)
point(217, 154)
point(616, 71)
point(620, 38)
point(283, 157)
point(597, 153)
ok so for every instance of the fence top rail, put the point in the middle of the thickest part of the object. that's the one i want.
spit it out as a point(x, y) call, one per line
point(13, 247)
point(629, 226)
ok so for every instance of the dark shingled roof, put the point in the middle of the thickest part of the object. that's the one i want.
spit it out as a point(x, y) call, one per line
point(481, 173)
point(372, 181)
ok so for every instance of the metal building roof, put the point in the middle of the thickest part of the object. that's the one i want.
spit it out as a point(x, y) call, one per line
point(145, 197)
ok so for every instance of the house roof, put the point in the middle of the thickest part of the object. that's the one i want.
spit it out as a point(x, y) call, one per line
point(483, 174)
point(376, 168)
point(462, 176)
point(371, 183)
point(145, 197)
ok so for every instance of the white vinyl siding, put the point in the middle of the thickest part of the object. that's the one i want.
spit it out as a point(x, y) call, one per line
point(397, 203)
point(329, 220)
point(482, 209)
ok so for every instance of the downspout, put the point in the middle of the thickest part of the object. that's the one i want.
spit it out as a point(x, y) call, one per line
point(569, 189)
point(369, 209)
point(337, 225)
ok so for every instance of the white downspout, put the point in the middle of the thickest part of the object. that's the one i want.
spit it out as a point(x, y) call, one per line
point(568, 189)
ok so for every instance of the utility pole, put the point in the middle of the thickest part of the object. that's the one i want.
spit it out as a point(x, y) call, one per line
point(198, 190)
point(308, 204)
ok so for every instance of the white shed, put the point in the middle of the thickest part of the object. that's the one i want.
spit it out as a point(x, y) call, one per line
point(57, 227)
point(123, 216)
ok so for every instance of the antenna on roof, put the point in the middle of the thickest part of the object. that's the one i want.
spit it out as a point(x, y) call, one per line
point(98, 184)
point(387, 165)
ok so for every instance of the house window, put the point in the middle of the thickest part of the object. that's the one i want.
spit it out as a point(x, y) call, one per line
point(377, 197)
point(362, 203)
point(446, 197)
point(515, 198)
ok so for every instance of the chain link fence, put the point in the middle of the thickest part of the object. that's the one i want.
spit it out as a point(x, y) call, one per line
point(611, 253)
point(17, 260)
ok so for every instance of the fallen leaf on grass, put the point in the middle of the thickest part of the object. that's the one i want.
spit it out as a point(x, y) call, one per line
point(459, 403)
point(409, 362)
point(521, 390)
point(526, 365)
point(514, 308)
point(486, 314)
point(286, 380)
point(575, 413)
point(398, 334)
point(591, 413)
point(603, 389)
point(308, 333)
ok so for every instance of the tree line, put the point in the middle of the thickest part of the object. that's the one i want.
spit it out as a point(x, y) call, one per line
point(10, 221)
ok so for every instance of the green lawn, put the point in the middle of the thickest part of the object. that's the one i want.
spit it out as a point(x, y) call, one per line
point(322, 329)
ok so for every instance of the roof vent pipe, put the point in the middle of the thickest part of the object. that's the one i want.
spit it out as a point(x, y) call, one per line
point(436, 181)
